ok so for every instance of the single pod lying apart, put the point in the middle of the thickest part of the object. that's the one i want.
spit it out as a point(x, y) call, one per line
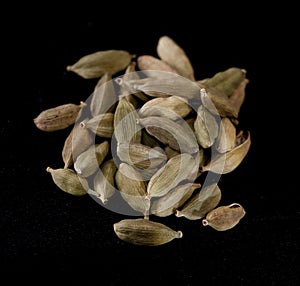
point(224, 217)
point(145, 232)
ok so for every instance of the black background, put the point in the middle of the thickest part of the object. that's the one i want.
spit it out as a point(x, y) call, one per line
point(46, 231)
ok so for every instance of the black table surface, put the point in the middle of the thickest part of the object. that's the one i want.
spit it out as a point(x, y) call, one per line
point(44, 230)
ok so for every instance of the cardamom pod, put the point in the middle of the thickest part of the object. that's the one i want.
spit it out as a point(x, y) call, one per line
point(206, 127)
point(176, 135)
point(141, 156)
point(170, 153)
point(67, 180)
point(87, 163)
point(104, 96)
point(59, 117)
point(132, 188)
point(102, 125)
point(226, 139)
point(126, 130)
point(97, 64)
point(224, 217)
point(104, 181)
point(78, 140)
point(145, 232)
point(177, 169)
point(171, 107)
point(147, 62)
point(170, 52)
point(238, 96)
point(149, 140)
point(227, 81)
point(224, 163)
point(169, 203)
point(201, 203)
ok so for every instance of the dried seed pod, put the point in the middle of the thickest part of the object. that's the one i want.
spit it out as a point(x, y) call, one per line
point(163, 84)
point(141, 156)
point(126, 129)
point(178, 136)
point(226, 162)
point(226, 138)
point(149, 140)
point(87, 163)
point(201, 203)
point(147, 62)
point(145, 232)
point(217, 102)
point(170, 52)
point(171, 152)
point(59, 117)
point(238, 96)
point(97, 64)
point(67, 180)
point(224, 217)
point(171, 107)
point(104, 96)
point(132, 188)
point(228, 80)
point(177, 169)
point(104, 181)
point(206, 127)
point(169, 203)
point(78, 140)
point(102, 125)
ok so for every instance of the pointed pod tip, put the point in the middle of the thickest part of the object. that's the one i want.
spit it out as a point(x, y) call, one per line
point(205, 222)
point(49, 169)
point(180, 234)
point(69, 68)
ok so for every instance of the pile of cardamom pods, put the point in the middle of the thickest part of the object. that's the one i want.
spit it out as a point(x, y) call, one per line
point(151, 140)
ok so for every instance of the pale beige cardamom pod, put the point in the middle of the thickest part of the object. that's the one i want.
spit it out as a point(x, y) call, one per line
point(169, 203)
point(226, 139)
point(145, 232)
point(170, 52)
point(126, 130)
point(224, 163)
point(87, 163)
point(147, 62)
point(141, 156)
point(177, 135)
point(171, 107)
point(206, 127)
point(224, 217)
point(104, 96)
point(177, 169)
point(102, 125)
point(132, 188)
point(59, 117)
point(104, 181)
point(67, 180)
point(201, 203)
point(96, 64)
point(78, 140)
point(228, 80)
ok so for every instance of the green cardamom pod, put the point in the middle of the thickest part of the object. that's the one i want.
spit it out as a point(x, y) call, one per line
point(226, 139)
point(224, 217)
point(67, 180)
point(145, 232)
point(201, 203)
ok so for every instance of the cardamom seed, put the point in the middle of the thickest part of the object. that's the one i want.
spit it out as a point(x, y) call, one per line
point(145, 232)
point(224, 217)
point(97, 64)
point(59, 117)
point(201, 203)
point(170, 52)
point(67, 180)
